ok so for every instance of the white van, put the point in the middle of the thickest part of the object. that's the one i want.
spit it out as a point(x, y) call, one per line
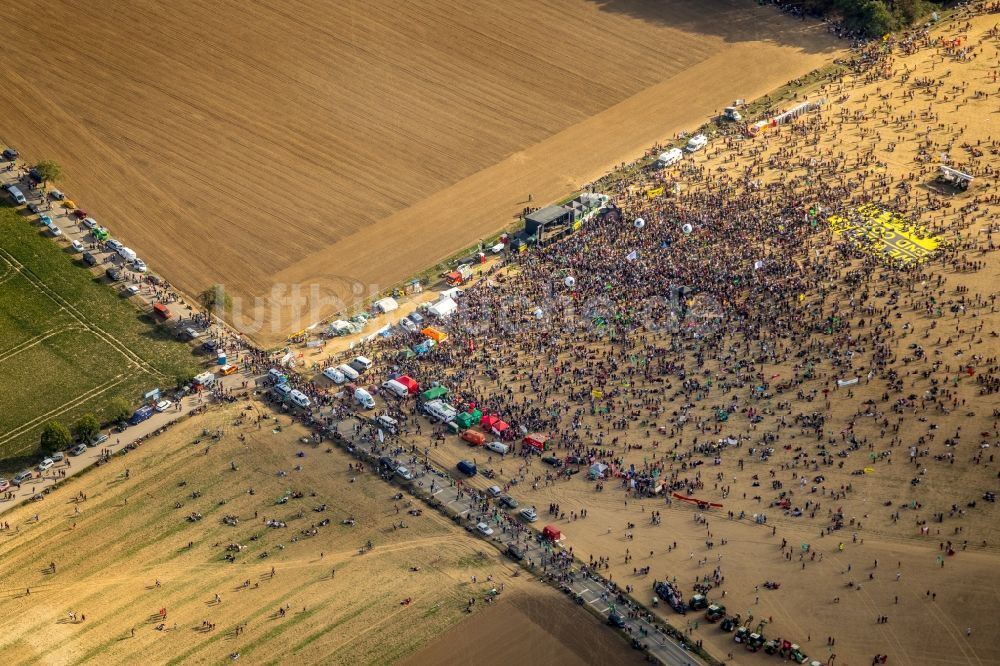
point(205, 379)
point(299, 398)
point(16, 195)
point(695, 143)
point(348, 371)
point(395, 387)
point(128, 254)
point(387, 422)
point(334, 375)
point(440, 411)
point(672, 156)
point(498, 447)
point(364, 362)
point(364, 398)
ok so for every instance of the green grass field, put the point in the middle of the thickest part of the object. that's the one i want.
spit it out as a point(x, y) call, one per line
point(68, 343)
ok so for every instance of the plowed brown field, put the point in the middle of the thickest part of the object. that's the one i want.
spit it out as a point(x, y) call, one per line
point(260, 146)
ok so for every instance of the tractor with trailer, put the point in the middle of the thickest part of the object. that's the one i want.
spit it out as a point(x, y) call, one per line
point(669, 593)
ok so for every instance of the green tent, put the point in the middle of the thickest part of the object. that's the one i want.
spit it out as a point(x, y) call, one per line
point(434, 393)
point(469, 419)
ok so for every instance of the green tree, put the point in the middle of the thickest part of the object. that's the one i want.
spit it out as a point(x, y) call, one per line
point(909, 10)
point(877, 18)
point(55, 437)
point(118, 410)
point(86, 427)
point(215, 299)
point(49, 170)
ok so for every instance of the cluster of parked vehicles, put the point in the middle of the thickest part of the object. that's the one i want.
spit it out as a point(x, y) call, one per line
point(47, 463)
point(99, 234)
point(752, 639)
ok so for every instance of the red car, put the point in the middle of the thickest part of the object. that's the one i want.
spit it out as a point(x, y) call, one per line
point(80, 213)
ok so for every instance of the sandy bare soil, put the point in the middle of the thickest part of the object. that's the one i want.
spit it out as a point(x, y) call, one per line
point(260, 147)
point(890, 558)
point(341, 607)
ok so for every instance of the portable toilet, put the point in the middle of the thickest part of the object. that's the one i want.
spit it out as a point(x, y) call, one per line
point(222, 359)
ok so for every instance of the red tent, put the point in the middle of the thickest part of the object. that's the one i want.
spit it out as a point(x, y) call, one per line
point(537, 441)
point(552, 533)
point(500, 428)
point(489, 421)
point(409, 382)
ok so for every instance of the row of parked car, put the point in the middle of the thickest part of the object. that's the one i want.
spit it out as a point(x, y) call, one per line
point(100, 234)
point(47, 463)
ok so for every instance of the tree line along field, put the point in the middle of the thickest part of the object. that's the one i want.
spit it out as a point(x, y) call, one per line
point(69, 344)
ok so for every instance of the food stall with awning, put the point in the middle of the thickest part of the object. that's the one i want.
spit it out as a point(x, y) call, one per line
point(537, 441)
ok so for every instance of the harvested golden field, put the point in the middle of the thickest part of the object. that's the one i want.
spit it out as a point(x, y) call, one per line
point(295, 154)
point(128, 550)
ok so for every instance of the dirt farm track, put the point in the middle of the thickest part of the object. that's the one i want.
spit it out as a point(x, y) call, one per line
point(357, 142)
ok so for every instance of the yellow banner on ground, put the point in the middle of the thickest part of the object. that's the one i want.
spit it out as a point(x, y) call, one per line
point(596, 393)
point(654, 192)
point(884, 232)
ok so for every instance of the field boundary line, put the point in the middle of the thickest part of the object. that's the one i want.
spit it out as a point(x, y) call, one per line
point(41, 337)
point(112, 341)
point(66, 406)
point(9, 272)
point(956, 637)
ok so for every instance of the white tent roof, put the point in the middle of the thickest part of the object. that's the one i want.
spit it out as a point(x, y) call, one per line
point(387, 304)
point(443, 307)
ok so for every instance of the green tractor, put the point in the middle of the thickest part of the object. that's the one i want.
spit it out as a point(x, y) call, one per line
point(755, 641)
point(715, 612)
point(793, 652)
point(797, 655)
point(730, 623)
point(773, 646)
point(698, 602)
